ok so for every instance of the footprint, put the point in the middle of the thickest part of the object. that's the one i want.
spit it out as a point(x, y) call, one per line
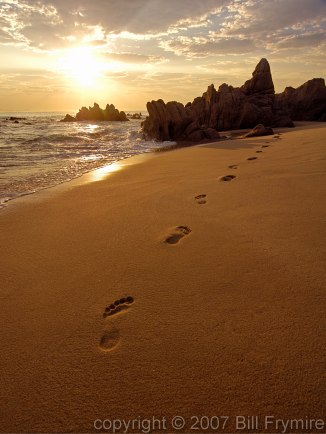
point(265, 146)
point(118, 306)
point(252, 158)
point(180, 232)
point(111, 336)
point(227, 178)
point(233, 166)
point(257, 152)
point(110, 339)
point(200, 199)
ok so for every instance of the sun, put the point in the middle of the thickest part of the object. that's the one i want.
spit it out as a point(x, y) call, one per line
point(82, 66)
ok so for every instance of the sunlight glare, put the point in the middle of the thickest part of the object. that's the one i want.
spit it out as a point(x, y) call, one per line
point(103, 172)
point(82, 66)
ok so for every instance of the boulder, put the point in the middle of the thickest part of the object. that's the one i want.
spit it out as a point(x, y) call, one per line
point(211, 134)
point(260, 130)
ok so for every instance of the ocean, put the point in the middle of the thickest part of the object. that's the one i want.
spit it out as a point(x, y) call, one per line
point(37, 151)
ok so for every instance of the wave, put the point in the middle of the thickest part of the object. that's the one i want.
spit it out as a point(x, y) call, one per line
point(44, 152)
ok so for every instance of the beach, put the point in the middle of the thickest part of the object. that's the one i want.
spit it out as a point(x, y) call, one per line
point(226, 279)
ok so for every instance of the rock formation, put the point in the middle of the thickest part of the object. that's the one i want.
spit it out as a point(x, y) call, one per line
point(95, 113)
point(217, 110)
point(173, 121)
point(307, 102)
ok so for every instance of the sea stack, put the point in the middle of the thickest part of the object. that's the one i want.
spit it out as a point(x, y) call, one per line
point(95, 113)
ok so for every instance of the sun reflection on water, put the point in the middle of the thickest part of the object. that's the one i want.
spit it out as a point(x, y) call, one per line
point(91, 127)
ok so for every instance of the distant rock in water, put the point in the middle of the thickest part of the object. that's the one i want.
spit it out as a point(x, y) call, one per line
point(15, 119)
point(307, 102)
point(227, 108)
point(68, 118)
point(95, 113)
point(134, 115)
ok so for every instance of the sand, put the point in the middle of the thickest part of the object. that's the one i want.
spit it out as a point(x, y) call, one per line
point(226, 278)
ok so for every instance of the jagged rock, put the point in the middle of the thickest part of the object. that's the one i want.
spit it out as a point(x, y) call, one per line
point(112, 114)
point(166, 121)
point(307, 102)
point(223, 109)
point(95, 113)
point(260, 130)
point(173, 121)
point(261, 81)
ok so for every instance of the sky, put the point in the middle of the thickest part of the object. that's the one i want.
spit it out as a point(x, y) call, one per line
point(62, 54)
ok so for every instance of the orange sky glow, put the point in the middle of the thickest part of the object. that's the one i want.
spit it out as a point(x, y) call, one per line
point(59, 55)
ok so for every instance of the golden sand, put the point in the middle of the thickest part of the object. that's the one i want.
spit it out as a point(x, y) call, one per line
point(223, 259)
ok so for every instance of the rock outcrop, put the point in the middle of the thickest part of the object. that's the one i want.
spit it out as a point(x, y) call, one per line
point(217, 110)
point(307, 102)
point(95, 113)
point(173, 121)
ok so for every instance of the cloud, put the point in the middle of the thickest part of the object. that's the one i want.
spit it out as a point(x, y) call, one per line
point(136, 16)
point(4, 37)
point(273, 18)
point(195, 37)
point(192, 29)
point(135, 58)
point(204, 47)
point(30, 82)
point(56, 20)
point(299, 41)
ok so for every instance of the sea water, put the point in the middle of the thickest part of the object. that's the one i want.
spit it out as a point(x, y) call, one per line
point(37, 151)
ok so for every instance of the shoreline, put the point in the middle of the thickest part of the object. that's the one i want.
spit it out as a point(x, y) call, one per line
point(63, 153)
point(87, 177)
point(84, 177)
point(165, 289)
